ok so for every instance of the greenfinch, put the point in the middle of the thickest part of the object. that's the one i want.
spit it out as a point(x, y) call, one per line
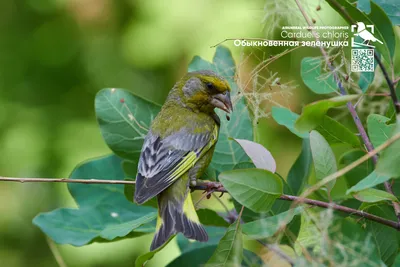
point(178, 149)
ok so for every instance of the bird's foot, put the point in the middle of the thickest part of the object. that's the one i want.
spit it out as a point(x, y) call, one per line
point(212, 187)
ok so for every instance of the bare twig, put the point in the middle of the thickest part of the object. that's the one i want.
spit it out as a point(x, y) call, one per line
point(64, 180)
point(350, 106)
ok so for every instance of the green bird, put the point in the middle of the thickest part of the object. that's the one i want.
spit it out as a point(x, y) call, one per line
point(177, 150)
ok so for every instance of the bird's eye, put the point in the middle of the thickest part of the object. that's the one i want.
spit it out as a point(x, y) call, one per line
point(210, 86)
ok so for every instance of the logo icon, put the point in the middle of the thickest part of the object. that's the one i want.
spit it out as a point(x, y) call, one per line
point(366, 35)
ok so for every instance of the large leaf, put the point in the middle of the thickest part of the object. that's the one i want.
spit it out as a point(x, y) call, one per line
point(391, 8)
point(227, 154)
point(371, 180)
point(323, 157)
point(335, 132)
point(229, 251)
point(378, 130)
point(256, 189)
point(194, 257)
point(287, 118)
point(103, 214)
point(312, 77)
point(211, 217)
point(124, 120)
point(386, 238)
point(358, 173)
point(267, 227)
point(258, 154)
point(389, 162)
point(372, 195)
point(383, 28)
point(313, 114)
point(300, 170)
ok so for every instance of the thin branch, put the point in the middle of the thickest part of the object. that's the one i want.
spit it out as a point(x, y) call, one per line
point(63, 180)
point(350, 106)
point(217, 187)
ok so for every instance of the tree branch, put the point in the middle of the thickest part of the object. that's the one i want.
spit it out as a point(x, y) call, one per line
point(350, 106)
point(215, 187)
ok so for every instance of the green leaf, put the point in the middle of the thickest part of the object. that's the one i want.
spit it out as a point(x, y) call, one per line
point(312, 77)
point(313, 114)
point(323, 157)
point(124, 120)
point(258, 154)
point(391, 8)
point(371, 180)
point(300, 170)
point(144, 258)
point(372, 195)
point(287, 118)
point(193, 257)
point(256, 189)
point(226, 154)
point(383, 29)
point(230, 249)
point(211, 217)
point(388, 164)
point(214, 236)
point(103, 214)
point(358, 173)
point(267, 227)
point(386, 238)
point(378, 130)
point(335, 132)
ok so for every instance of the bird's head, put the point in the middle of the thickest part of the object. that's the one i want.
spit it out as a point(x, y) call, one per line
point(205, 90)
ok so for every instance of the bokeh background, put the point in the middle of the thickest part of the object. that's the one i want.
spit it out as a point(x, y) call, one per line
point(56, 54)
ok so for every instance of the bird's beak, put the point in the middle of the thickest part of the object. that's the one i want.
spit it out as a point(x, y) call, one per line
point(222, 101)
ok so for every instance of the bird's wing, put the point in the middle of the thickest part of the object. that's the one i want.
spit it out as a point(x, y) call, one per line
point(162, 161)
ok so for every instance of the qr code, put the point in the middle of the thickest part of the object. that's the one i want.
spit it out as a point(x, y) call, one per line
point(362, 60)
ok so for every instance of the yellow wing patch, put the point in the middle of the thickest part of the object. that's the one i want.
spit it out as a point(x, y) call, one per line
point(191, 158)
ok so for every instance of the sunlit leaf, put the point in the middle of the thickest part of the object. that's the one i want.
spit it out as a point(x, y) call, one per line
point(313, 114)
point(258, 154)
point(372, 195)
point(256, 189)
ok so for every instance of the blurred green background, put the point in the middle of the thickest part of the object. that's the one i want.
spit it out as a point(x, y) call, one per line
point(56, 54)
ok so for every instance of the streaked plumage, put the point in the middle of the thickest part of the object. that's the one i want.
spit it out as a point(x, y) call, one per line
point(178, 149)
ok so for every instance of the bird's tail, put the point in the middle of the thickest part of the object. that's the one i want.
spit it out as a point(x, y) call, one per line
point(174, 217)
